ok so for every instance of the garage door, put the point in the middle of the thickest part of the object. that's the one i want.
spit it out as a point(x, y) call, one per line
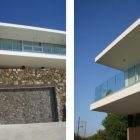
point(28, 105)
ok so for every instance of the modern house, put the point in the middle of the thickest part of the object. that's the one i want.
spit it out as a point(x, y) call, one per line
point(121, 93)
point(32, 74)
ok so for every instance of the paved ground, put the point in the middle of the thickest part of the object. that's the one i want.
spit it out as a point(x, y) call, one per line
point(38, 131)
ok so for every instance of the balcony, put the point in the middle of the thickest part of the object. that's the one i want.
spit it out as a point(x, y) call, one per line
point(121, 93)
point(120, 81)
point(17, 53)
point(33, 47)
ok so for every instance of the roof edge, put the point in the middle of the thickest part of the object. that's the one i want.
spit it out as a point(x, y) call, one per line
point(31, 28)
point(119, 38)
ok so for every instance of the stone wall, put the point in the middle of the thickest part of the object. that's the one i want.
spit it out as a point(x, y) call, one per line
point(38, 77)
point(28, 105)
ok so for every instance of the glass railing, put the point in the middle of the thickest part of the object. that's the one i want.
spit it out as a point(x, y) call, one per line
point(34, 47)
point(120, 81)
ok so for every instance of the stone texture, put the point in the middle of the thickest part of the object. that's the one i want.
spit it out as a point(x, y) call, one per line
point(48, 77)
point(27, 105)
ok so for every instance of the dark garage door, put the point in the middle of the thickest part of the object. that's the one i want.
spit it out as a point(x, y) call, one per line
point(28, 105)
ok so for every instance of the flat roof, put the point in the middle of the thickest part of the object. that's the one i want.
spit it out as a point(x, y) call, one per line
point(123, 52)
point(30, 33)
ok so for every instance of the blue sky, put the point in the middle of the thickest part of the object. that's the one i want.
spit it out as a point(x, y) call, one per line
point(41, 13)
point(97, 24)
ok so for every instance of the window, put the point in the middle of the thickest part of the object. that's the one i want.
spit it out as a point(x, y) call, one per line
point(131, 76)
point(58, 49)
point(138, 72)
point(27, 46)
point(17, 45)
point(47, 48)
point(6, 44)
point(37, 49)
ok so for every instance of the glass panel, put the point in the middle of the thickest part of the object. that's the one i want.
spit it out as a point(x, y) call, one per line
point(97, 93)
point(54, 50)
point(138, 72)
point(120, 81)
point(131, 76)
point(111, 86)
point(37, 49)
point(104, 89)
point(59, 49)
point(27, 48)
point(47, 49)
point(6, 44)
point(17, 45)
point(64, 51)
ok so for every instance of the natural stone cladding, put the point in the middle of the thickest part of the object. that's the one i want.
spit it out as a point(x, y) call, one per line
point(27, 105)
point(48, 77)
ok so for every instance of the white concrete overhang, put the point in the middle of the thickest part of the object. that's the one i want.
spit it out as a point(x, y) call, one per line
point(27, 59)
point(124, 102)
point(123, 52)
point(30, 33)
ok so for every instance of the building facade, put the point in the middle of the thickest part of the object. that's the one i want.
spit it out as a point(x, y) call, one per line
point(32, 74)
point(121, 93)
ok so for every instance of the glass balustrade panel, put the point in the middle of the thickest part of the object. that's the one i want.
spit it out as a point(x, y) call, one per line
point(122, 80)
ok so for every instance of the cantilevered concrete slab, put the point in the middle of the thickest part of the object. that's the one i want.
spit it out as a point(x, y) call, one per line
point(124, 51)
point(124, 102)
point(30, 33)
point(27, 59)
point(38, 131)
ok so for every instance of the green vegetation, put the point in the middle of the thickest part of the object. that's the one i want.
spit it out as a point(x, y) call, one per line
point(116, 126)
point(115, 129)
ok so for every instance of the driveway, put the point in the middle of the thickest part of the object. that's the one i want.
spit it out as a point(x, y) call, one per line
point(37, 131)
